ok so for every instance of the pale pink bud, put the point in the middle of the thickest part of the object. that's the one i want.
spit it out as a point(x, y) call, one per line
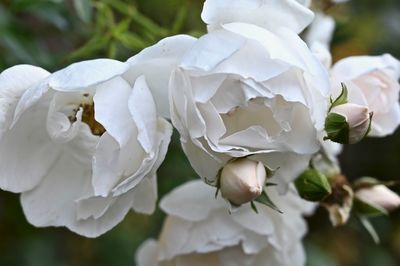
point(379, 195)
point(242, 180)
point(358, 119)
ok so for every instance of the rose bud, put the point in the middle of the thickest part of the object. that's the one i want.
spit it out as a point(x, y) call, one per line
point(379, 196)
point(242, 180)
point(348, 123)
point(313, 185)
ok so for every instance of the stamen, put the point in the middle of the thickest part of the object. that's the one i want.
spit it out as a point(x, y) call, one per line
point(88, 118)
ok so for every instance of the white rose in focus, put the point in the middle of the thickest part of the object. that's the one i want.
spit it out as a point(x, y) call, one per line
point(268, 14)
point(84, 144)
point(372, 81)
point(244, 91)
point(200, 231)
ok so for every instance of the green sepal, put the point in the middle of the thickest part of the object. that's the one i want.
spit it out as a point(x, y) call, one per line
point(367, 209)
point(312, 185)
point(369, 125)
point(264, 199)
point(253, 206)
point(337, 128)
point(341, 99)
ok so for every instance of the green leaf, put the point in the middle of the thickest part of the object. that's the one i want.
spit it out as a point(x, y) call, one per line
point(264, 199)
point(94, 45)
point(83, 9)
point(131, 41)
point(179, 20)
point(341, 99)
point(122, 7)
point(337, 128)
point(112, 50)
point(313, 185)
point(122, 27)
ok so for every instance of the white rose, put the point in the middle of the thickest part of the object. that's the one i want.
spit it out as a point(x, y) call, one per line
point(269, 14)
point(244, 91)
point(372, 81)
point(200, 231)
point(83, 144)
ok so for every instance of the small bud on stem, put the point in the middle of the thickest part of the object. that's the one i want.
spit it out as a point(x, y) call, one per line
point(242, 180)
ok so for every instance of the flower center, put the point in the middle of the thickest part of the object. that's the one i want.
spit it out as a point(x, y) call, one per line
point(87, 106)
point(88, 118)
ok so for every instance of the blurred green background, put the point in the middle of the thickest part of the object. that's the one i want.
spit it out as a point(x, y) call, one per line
point(54, 33)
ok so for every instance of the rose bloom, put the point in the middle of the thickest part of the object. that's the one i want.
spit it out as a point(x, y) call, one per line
point(372, 81)
point(245, 91)
point(271, 14)
point(83, 145)
point(200, 231)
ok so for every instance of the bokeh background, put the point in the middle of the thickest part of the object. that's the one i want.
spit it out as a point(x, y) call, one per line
point(55, 33)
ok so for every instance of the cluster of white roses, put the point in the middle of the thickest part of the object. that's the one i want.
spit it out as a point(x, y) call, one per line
point(250, 100)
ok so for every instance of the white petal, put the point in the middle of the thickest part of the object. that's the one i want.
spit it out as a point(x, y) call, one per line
point(151, 163)
point(14, 81)
point(143, 111)
point(32, 96)
point(321, 30)
point(67, 182)
point(85, 74)
point(145, 195)
point(288, 166)
point(111, 109)
point(93, 207)
point(211, 49)
point(184, 113)
point(209, 235)
point(259, 223)
point(352, 67)
point(112, 164)
point(59, 126)
point(26, 152)
point(192, 201)
point(286, 46)
point(205, 163)
point(146, 254)
point(385, 124)
point(156, 64)
point(268, 14)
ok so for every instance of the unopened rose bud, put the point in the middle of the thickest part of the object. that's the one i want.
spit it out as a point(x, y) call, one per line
point(242, 180)
point(312, 185)
point(348, 123)
point(379, 196)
